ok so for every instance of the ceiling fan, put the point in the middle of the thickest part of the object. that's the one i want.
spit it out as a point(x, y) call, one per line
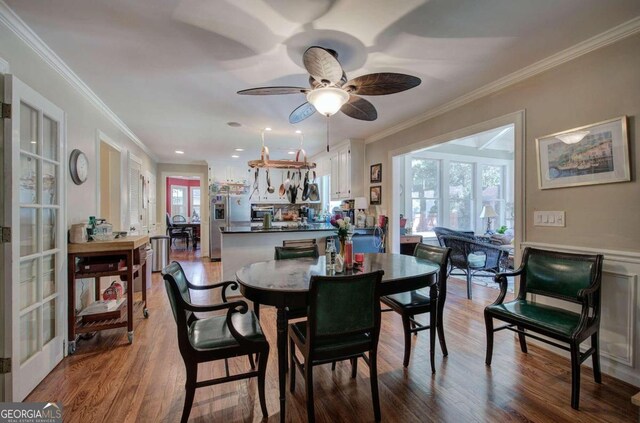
point(331, 91)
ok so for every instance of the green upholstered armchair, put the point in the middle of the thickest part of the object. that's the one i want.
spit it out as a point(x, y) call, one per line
point(201, 340)
point(343, 324)
point(574, 278)
point(472, 257)
point(411, 303)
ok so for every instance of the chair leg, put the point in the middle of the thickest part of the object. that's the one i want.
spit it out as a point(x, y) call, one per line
point(354, 367)
point(440, 328)
point(333, 366)
point(308, 376)
point(575, 375)
point(488, 322)
point(251, 362)
point(262, 371)
point(190, 388)
point(522, 339)
point(373, 377)
point(292, 366)
point(469, 295)
point(256, 309)
point(595, 343)
point(407, 339)
point(432, 340)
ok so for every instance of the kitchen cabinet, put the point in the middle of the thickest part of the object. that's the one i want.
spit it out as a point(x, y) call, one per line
point(347, 170)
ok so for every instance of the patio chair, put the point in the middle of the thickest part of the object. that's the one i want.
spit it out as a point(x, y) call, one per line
point(473, 257)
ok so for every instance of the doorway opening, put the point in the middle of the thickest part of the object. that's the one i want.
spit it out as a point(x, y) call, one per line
point(183, 210)
point(110, 188)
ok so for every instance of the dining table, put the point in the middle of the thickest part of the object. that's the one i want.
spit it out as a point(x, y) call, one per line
point(194, 227)
point(284, 284)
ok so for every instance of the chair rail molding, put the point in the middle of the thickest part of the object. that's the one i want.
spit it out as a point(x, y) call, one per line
point(619, 329)
point(12, 21)
point(608, 37)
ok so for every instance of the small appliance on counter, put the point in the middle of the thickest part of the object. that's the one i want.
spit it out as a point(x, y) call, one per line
point(258, 212)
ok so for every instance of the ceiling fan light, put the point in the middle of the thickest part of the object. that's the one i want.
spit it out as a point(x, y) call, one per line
point(572, 137)
point(327, 100)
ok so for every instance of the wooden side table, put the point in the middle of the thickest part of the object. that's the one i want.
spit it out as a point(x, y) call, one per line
point(130, 249)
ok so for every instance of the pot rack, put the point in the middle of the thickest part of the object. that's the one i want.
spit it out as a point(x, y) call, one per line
point(298, 164)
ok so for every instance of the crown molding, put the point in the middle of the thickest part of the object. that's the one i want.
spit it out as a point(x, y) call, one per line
point(603, 39)
point(12, 21)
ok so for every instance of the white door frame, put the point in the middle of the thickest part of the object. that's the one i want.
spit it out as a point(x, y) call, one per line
point(394, 157)
point(102, 137)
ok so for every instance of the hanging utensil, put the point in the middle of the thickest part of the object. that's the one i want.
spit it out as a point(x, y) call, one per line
point(305, 188)
point(287, 181)
point(282, 190)
point(270, 188)
point(255, 184)
point(314, 192)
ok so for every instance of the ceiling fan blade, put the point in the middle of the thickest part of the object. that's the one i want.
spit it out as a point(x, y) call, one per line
point(322, 65)
point(359, 108)
point(302, 112)
point(381, 83)
point(273, 91)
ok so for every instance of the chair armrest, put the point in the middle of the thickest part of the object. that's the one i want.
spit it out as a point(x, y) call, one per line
point(584, 295)
point(501, 279)
point(223, 285)
point(240, 307)
point(210, 307)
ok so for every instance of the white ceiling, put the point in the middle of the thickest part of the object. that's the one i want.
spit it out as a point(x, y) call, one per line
point(170, 69)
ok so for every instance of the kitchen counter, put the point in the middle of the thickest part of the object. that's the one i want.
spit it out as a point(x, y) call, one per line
point(277, 229)
point(242, 245)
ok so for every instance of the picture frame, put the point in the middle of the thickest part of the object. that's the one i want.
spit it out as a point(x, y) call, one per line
point(601, 157)
point(375, 195)
point(375, 173)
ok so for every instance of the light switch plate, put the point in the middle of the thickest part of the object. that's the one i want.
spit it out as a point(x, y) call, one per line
point(549, 218)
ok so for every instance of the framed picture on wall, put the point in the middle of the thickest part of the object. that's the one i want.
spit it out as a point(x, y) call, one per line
point(375, 174)
point(589, 155)
point(375, 195)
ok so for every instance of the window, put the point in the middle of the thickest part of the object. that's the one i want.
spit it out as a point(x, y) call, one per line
point(195, 204)
point(178, 201)
point(443, 190)
point(425, 193)
point(461, 196)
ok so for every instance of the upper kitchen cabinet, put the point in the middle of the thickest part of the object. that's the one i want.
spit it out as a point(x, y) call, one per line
point(347, 170)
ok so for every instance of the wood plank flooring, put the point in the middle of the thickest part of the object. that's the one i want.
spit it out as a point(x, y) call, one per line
point(108, 380)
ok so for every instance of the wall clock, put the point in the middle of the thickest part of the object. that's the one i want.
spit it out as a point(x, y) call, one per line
point(78, 167)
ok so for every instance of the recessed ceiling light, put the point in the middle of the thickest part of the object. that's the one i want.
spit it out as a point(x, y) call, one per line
point(179, 152)
point(291, 152)
point(34, 142)
point(235, 156)
point(298, 132)
point(239, 149)
point(234, 124)
point(267, 129)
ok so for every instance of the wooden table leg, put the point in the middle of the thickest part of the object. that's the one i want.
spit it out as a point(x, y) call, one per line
point(433, 323)
point(71, 301)
point(143, 278)
point(130, 295)
point(281, 324)
point(97, 288)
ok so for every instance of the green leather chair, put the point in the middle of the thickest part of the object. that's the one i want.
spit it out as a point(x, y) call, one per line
point(574, 278)
point(343, 324)
point(283, 253)
point(236, 333)
point(409, 304)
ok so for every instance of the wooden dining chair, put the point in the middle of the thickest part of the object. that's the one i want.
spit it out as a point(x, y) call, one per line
point(200, 340)
point(343, 324)
point(299, 242)
point(412, 303)
point(283, 253)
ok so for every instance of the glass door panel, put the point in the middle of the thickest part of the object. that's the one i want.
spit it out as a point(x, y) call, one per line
point(28, 283)
point(28, 191)
point(28, 129)
point(50, 139)
point(49, 183)
point(49, 228)
point(28, 231)
point(29, 330)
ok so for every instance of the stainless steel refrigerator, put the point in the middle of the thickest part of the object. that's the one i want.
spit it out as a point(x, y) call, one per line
point(226, 210)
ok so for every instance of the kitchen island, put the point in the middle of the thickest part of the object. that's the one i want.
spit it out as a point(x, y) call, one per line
point(243, 245)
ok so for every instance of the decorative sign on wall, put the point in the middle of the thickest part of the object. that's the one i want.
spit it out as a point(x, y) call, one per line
point(589, 155)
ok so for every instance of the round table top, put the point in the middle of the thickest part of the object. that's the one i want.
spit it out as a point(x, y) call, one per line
point(293, 275)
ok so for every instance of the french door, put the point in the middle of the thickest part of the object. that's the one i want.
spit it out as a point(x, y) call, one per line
point(35, 261)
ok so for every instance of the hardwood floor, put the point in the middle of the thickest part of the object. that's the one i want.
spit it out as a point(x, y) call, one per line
point(109, 380)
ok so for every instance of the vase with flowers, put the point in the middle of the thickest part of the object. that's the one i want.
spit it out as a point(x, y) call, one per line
point(344, 231)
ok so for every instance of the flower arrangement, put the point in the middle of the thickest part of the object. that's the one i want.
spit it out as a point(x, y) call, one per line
point(344, 226)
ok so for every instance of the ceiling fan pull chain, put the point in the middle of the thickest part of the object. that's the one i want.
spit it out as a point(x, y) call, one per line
point(327, 120)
